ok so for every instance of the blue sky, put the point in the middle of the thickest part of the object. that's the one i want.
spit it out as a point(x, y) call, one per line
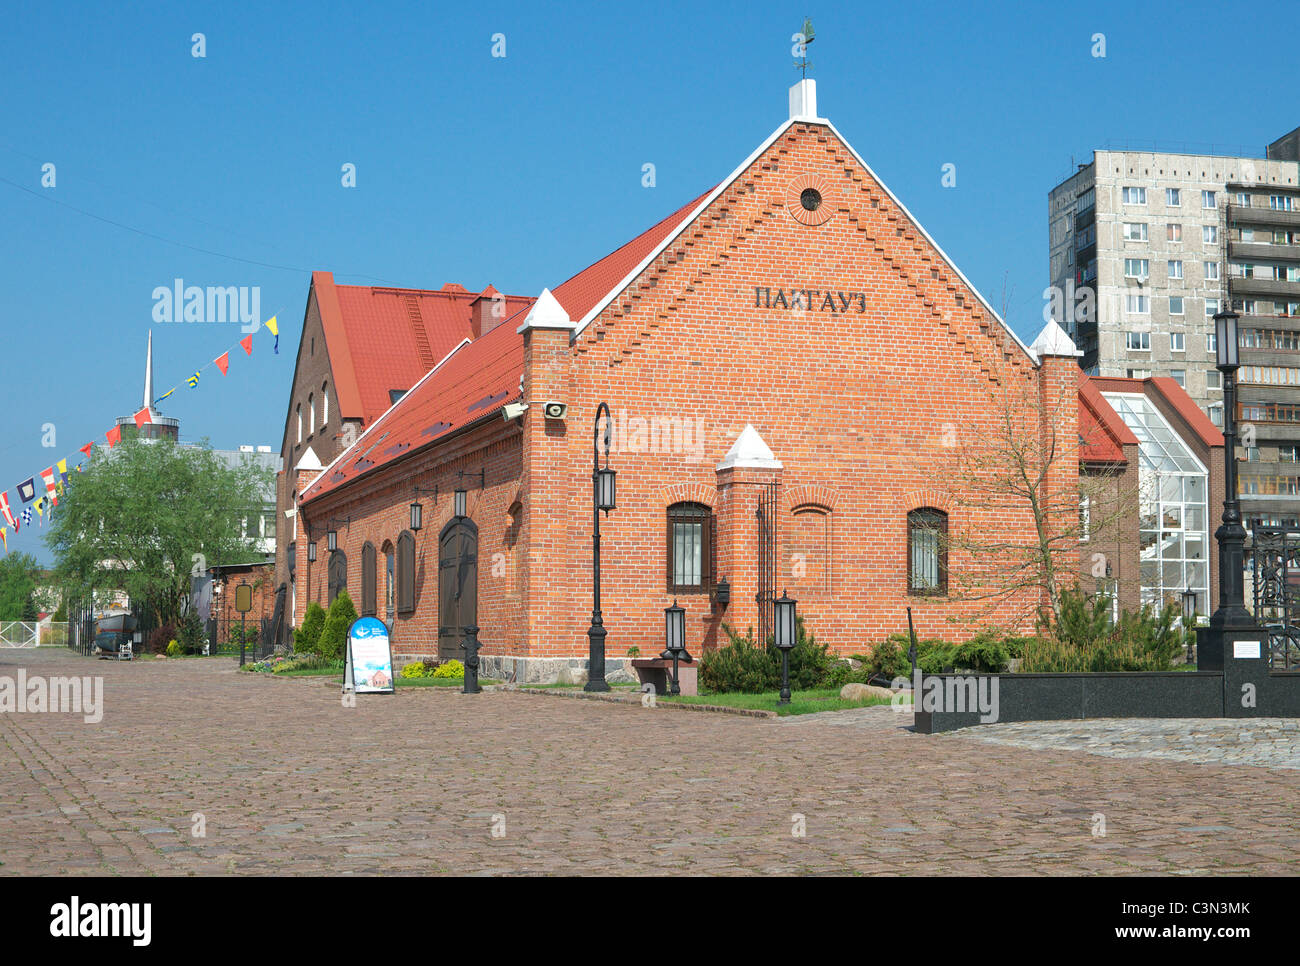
point(517, 171)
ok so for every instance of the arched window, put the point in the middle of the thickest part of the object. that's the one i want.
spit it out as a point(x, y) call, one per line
point(300, 422)
point(368, 580)
point(690, 548)
point(809, 546)
point(324, 405)
point(406, 572)
point(927, 552)
point(311, 414)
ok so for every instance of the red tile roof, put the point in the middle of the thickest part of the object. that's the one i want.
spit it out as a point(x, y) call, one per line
point(383, 338)
point(476, 381)
point(1102, 434)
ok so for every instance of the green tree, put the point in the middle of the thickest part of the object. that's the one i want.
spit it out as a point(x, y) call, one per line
point(146, 515)
point(18, 576)
point(334, 635)
point(307, 638)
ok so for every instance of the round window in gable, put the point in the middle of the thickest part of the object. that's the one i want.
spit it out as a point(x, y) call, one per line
point(811, 199)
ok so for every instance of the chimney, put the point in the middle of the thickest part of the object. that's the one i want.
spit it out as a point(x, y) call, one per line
point(487, 312)
point(803, 100)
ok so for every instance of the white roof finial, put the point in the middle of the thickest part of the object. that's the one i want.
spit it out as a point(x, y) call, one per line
point(148, 374)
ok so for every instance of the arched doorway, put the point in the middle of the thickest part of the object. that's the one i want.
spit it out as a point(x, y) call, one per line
point(457, 585)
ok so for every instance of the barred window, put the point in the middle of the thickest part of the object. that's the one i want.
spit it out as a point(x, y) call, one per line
point(690, 548)
point(927, 552)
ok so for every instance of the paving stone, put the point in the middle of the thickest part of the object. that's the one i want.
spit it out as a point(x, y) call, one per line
point(290, 781)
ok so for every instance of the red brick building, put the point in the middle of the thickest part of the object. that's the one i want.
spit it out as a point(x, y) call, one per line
point(790, 362)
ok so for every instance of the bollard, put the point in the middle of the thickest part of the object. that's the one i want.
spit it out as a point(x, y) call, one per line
point(469, 644)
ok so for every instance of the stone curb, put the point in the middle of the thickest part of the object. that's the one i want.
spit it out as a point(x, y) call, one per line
point(635, 699)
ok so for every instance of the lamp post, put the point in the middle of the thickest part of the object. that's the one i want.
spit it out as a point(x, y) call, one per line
point(675, 641)
point(785, 635)
point(1231, 613)
point(602, 498)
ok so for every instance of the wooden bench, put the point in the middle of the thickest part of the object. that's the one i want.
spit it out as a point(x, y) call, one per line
point(659, 672)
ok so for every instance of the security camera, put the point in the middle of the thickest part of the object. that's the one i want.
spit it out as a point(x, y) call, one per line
point(514, 410)
point(555, 410)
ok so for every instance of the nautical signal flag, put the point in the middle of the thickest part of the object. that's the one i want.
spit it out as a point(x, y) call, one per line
point(27, 516)
point(142, 417)
point(193, 380)
point(165, 395)
point(47, 476)
point(223, 362)
point(275, 331)
point(247, 343)
point(8, 513)
point(87, 448)
point(4, 537)
point(114, 436)
point(27, 489)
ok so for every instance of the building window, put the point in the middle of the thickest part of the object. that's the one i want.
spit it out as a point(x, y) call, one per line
point(1175, 269)
point(1176, 305)
point(809, 546)
point(690, 548)
point(1135, 231)
point(1211, 307)
point(300, 422)
point(1177, 342)
point(337, 574)
point(927, 552)
point(1252, 454)
point(1208, 199)
point(1210, 234)
point(1085, 517)
point(406, 572)
point(1139, 373)
point(324, 405)
point(1288, 453)
point(1137, 268)
point(1137, 305)
point(1173, 233)
point(1211, 342)
point(1281, 203)
point(1214, 380)
point(1173, 198)
point(1243, 199)
point(368, 580)
point(1211, 271)
point(1179, 376)
point(1135, 196)
point(311, 414)
point(389, 570)
point(1139, 341)
point(1215, 413)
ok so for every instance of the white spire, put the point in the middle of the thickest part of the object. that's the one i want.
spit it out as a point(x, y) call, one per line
point(148, 374)
point(750, 452)
point(1053, 341)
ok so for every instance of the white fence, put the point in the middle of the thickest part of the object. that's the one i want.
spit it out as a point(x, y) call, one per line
point(32, 634)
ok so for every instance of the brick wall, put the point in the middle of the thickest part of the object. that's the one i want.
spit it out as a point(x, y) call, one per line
point(856, 396)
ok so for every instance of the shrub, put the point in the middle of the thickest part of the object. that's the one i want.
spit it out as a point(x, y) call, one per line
point(1086, 640)
point(449, 669)
point(742, 666)
point(174, 649)
point(159, 638)
point(334, 634)
point(415, 669)
point(889, 659)
point(307, 637)
point(190, 634)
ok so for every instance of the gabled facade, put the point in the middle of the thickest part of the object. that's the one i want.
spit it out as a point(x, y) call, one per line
point(784, 358)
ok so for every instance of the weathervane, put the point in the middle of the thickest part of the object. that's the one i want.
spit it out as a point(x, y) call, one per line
point(802, 39)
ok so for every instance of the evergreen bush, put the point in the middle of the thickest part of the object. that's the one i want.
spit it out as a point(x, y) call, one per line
point(332, 644)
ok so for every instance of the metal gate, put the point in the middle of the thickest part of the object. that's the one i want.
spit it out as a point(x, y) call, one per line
point(457, 586)
point(1275, 568)
point(19, 634)
point(767, 561)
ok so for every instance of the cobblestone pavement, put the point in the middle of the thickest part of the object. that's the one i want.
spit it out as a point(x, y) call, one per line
point(287, 780)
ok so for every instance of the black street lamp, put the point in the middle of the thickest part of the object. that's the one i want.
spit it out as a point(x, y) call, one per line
point(602, 498)
point(1231, 613)
point(332, 540)
point(459, 507)
point(311, 551)
point(785, 635)
point(417, 517)
point(675, 641)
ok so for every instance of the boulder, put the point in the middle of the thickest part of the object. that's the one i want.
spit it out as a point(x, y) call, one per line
point(572, 676)
point(861, 692)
